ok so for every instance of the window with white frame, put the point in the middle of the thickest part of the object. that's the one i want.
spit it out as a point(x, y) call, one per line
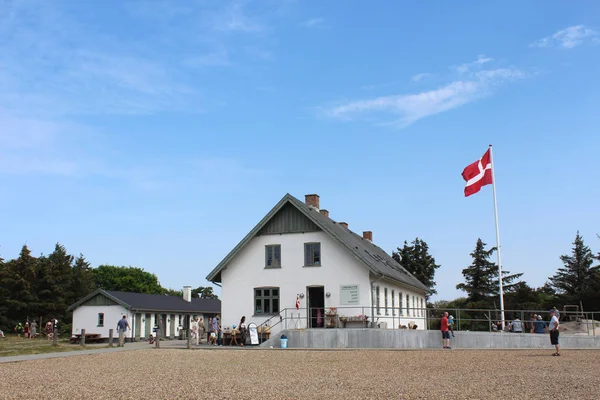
point(422, 308)
point(414, 306)
point(407, 305)
point(385, 297)
point(101, 319)
point(378, 300)
point(393, 302)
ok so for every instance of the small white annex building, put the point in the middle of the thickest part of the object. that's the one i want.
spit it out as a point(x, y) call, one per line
point(297, 253)
point(100, 311)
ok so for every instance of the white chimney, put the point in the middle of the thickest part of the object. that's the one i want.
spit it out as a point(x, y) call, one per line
point(187, 293)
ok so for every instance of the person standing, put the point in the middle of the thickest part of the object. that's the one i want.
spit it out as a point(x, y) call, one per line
point(516, 326)
point(201, 329)
point(539, 325)
point(19, 329)
point(33, 333)
point(553, 328)
point(445, 332)
point(122, 327)
point(194, 326)
point(242, 328)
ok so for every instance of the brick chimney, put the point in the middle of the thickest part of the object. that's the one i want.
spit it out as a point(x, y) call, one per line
point(368, 235)
point(324, 212)
point(312, 200)
point(344, 224)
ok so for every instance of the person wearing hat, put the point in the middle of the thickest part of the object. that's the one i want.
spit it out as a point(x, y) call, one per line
point(553, 328)
point(539, 326)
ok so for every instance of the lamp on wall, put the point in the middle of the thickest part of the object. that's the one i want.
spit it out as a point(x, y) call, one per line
point(328, 295)
point(143, 319)
point(301, 295)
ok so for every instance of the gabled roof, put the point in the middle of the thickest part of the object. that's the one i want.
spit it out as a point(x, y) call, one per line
point(373, 257)
point(156, 302)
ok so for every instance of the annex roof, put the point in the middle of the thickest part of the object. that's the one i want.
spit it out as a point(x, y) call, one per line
point(156, 302)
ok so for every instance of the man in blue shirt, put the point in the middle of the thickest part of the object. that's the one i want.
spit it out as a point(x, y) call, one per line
point(122, 327)
point(539, 325)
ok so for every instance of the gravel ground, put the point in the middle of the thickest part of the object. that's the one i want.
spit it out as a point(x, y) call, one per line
point(303, 374)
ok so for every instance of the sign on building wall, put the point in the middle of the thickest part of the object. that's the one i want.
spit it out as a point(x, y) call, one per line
point(349, 295)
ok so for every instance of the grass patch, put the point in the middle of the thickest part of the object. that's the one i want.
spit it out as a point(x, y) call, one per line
point(12, 346)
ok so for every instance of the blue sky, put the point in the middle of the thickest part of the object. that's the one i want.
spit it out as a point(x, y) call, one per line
point(157, 134)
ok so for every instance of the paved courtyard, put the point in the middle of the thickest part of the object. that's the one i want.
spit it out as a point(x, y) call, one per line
point(303, 374)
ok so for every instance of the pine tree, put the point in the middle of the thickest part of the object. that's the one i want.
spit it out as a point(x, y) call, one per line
point(415, 258)
point(54, 285)
point(479, 282)
point(83, 280)
point(482, 277)
point(17, 279)
point(575, 279)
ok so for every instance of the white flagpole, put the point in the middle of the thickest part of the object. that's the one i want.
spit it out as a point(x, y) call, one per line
point(498, 252)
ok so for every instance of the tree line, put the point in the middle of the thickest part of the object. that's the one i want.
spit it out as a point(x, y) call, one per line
point(45, 286)
point(577, 282)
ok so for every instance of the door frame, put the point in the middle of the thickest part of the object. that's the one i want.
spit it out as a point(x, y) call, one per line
point(310, 309)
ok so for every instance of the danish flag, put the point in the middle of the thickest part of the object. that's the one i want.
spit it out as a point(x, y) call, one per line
point(478, 174)
point(297, 303)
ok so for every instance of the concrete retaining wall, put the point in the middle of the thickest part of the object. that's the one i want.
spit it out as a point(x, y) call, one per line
point(415, 339)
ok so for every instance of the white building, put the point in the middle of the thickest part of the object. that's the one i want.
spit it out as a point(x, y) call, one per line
point(297, 252)
point(100, 311)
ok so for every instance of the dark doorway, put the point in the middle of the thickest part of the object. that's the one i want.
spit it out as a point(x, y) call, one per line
point(316, 306)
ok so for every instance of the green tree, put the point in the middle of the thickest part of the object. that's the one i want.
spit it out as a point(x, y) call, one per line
point(204, 292)
point(54, 283)
point(126, 279)
point(415, 258)
point(16, 279)
point(574, 281)
point(83, 279)
point(479, 284)
point(482, 278)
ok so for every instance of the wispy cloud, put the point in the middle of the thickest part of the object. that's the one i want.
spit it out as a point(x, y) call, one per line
point(405, 109)
point(313, 23)
point(567, 38)
point(421, 76)
point(467, 67)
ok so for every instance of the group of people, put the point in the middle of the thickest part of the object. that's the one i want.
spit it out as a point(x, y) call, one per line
point(536, 325)
point(30, 330)
point(215, 331)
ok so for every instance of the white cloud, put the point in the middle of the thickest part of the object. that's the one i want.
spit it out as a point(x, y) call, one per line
point(481, 59)
point(421, 76)
point(409, 108)
point(567, 38)
point(313, 22)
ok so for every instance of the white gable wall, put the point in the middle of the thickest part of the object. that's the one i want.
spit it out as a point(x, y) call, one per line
point(338, 267)
point(247, 271)
point(86, 317)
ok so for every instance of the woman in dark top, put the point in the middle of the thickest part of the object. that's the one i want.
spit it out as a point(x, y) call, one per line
point(242, 328)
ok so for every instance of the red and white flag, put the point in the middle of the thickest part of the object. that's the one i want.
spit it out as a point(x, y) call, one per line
point(478, 174)
point(297, 303)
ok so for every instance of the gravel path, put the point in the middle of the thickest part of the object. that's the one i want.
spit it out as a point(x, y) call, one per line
point(302, 374)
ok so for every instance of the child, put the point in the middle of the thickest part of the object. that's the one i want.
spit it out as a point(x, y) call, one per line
point(451, 325)
point(151, 338)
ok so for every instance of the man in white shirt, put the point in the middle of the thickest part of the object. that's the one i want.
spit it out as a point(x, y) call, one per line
point(553, 329)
